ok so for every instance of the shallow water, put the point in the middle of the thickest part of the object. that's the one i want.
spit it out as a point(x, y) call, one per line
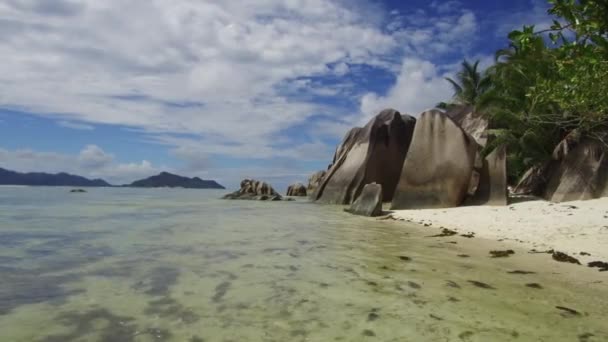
point(181, 265)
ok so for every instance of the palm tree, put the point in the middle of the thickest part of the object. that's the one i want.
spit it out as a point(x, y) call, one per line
point(469, 87)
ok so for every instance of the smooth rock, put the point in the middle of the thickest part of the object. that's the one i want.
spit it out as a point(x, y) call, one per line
point(369, 203)
point(296, 190)
point(372, 154)
point(254, 190)
point(438, 169)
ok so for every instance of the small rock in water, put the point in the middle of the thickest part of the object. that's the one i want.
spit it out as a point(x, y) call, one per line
point(563, 257)
point(78, 191)
point(445, 232)
point(603, 266)
point(435, 317)
point(369, 333)
point(464, 256)
point(481, 285)
point(585, 337)
point(535, 286)
point(502, 254)
point(413, 285)
point(521, 272)
point(405, 258)
point(568, 312)
point(468, 236)
point(452, 284)
point(372, 316)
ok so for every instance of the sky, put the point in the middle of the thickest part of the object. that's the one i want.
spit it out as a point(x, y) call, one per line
point(229, 89)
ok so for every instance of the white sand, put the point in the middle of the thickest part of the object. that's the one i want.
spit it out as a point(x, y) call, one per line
point(572, 227)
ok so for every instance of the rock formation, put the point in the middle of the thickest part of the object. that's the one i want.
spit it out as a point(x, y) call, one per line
point(369, 203)
point(439, 168)
point(255, 190)
point(492, 187)
point(314, 181)
point(580, 173)
point(578, 170)
point(297, 189)
point(374, 153)
point(474, 124)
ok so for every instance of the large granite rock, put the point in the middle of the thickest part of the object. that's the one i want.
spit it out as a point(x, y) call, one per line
point(255, 190)
point(534, 181)
point(473, 123)
point(314, 181)
point(374, 153)
point(369, 203)
point(578, 170)
point(439, 169)
point(296, 190)
point(492, 186)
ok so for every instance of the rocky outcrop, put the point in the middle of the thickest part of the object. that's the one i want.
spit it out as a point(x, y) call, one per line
point(372, 154)
point(492, 186)
point(534, 181)
point(578, 170)
point(473, 123)
point(369, 203)
point(580, 173)
point(314, 181)
point(296, 190)
point(439, 168)
point(255, 190)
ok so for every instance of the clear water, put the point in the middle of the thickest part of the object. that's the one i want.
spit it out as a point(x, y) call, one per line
point(182, 265)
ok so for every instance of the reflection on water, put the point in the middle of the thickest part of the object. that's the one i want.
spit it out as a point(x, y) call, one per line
point(180, 265)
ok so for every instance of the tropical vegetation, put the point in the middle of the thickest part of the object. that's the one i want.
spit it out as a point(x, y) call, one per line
point(545, 86)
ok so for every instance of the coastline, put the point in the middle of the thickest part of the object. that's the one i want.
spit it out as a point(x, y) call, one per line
point(579, 229)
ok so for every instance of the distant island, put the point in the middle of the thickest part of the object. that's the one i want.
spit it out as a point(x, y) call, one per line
point(165, 179)
point(8, 177)
point(162, 180)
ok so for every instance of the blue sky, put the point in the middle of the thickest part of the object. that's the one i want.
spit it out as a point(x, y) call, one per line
point(224, 90)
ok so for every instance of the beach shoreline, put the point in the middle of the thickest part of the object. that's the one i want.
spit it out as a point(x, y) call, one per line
point(579, 229)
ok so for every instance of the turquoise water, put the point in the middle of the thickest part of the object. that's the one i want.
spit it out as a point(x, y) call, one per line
point(182, 265)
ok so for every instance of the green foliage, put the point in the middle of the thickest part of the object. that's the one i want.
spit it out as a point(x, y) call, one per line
point(546, 84)
point(469, 87)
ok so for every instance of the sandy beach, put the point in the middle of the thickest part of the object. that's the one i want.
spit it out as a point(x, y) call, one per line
point(577, 228)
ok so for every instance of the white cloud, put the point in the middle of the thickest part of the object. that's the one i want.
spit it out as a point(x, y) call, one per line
point(230, 75)
point(419, 86)
point(92, 162)
point(80, 59)
point(75, 125)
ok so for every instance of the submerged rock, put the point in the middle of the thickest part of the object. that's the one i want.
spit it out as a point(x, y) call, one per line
point(78, 191)
point(603, 266)
point(563, 257)
point(369, 203)
point(502, 254)
point(255, 190)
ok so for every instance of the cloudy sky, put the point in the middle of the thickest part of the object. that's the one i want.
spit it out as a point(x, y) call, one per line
point(122, 89)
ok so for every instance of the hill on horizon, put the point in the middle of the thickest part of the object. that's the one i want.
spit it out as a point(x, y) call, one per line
point(166, 179)
point(8, 177)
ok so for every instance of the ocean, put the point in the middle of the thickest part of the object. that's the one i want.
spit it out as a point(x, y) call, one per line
point(120, 264)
